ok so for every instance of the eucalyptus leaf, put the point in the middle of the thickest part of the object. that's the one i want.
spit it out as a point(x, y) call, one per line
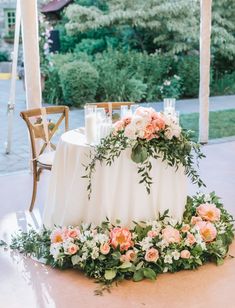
point(139, 154)
point(125, 265)
point(138, 275)
point(110, 274)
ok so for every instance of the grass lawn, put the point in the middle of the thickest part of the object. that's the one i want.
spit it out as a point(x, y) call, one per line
point(222, 123)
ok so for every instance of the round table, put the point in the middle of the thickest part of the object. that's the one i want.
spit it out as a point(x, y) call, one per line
point(116, 192)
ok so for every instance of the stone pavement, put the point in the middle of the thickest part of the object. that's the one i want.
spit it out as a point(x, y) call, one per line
point(19, 157)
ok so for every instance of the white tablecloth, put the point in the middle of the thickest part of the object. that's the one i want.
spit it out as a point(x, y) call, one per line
point(116, 192)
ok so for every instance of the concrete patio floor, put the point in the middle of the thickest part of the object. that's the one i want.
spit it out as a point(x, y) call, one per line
point(26, 283)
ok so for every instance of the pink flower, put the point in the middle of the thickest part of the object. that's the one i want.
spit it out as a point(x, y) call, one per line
point(191, 239)
point(126, 121)
point(124, 258)
point(185, 254)
point(171, 235)
point(72, 249)
point(149, 132)
point(105, 248)
point(121, 237)
point(159, 123)
point(130, 132)
point(195, 220)
point(207, 230)
point(152, 233)
point(119, 125)
point(185, 228)
point(57, 236)
point(208, 212)
point(131, 255)
point(151, 255)
point(73, 233)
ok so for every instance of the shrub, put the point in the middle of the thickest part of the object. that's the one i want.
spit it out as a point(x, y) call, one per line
point(224, 85)
point(79, 81)
point(4, 56)
point(53, 93)
point(171, 87)
point(119, 80)
point(188, 70)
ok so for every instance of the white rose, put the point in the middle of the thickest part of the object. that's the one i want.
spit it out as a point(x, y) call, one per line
point(130, 132)
point(168, 259)
point(176, 255)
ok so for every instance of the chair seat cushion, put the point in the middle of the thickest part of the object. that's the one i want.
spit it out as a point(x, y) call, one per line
point(46, 158)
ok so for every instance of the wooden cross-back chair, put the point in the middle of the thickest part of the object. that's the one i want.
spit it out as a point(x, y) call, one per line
point(114, 105)
point(43, 131)
point(110, 106)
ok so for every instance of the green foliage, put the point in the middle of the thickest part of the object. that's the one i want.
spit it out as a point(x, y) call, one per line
point(4, 56)
point(188, 70)
point(118, 79)
point(79, 81)
point(53, 93)
point(171, 87)
point(109, 266)
point(224, 85)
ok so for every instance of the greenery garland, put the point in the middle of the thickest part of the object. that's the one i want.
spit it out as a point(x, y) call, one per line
point(111, 253)
point(175, 152)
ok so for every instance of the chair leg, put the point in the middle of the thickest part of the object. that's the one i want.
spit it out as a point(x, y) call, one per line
point(34, 189)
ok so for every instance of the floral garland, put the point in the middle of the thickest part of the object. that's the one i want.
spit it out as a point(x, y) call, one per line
point(111, 253)
point(150, 135)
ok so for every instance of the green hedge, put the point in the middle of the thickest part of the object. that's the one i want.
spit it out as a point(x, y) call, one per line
point(79, 81)
point(118, 75)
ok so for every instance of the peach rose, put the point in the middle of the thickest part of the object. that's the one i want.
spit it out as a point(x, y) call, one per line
point(131, 255)
point(105, 248)
point(159, 123)
point(57, 236)
point(121, 237)
point(208, 212)
point(207, 230)
point(195, 220)
point(72, 249)
point(73, 233)
point(152, 233)
point(191, 239)
point(119, 125)
point(171, 235)
point(151, 255)
point(124, 258)
point(185, 228)
point(126, 121)
point(185, 254)
point(149, 132)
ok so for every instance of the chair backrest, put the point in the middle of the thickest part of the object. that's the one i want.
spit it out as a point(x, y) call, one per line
point(112, 105)
point(37, 129)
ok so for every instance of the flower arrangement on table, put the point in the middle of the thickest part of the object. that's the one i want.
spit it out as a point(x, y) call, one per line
point(112, 253)
point(150, 135)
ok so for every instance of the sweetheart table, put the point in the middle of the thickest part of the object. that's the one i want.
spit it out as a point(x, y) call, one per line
point(116, 192)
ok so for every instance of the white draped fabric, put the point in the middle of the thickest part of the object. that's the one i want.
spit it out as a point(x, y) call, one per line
point(204, 91)
point(116, 193)
point(30, 38)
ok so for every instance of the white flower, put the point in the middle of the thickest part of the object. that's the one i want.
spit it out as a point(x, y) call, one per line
point(203, 245)
point(146, 243)
point(130, 132)
point(84, 256)
point(95, 253)
point(207, 198)
point(170, 221)
point(175, 254)
point(165, 270)
point(163, 244)
point(168, 259)
point(55, 250)
point(66, 244)
point(167, 83)
point(177, 77)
